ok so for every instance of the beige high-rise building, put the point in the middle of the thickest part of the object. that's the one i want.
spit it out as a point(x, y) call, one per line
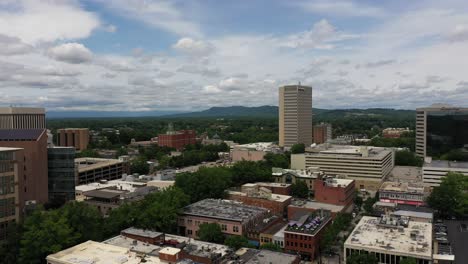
point(22, 118)
point(73, 137)
point(295, 115)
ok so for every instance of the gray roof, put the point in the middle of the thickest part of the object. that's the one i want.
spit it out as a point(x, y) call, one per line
point(20, 134)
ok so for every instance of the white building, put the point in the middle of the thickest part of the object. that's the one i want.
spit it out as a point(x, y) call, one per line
point(434, 170)
point(391, 239)
point(368, 166)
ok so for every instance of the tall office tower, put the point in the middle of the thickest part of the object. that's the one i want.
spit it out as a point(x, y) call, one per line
point(22, 118)
point(73, 137)
point(322, 133)
point(11, 167)
point(441, 129)
point(295, 115)
point(32, 182)
point(61, 170)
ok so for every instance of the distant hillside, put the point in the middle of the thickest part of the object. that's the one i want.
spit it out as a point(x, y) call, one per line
point(269, 111)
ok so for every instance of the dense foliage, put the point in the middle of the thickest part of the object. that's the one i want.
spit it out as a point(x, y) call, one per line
point(330, 236)
point(271, 246)
point(451, 197)
point(407, 158)
point(237, 242)
point(297, 148)
point(362, 259)
point(210, 232)
point(300, 189)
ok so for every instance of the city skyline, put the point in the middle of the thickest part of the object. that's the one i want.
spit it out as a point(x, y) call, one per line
point(191, 55)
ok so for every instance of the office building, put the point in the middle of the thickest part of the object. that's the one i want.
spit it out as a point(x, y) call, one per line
point(403, 193)
point(295, 115)
point(73, 137)
point(234, 217)
point(391, 239)
point(11, 166)
point(22, 118)
point(335, 191)
point(440, 129)
point(33, 183)
point(434, 170)
point(368, 166)
point(322, 133)
point(97, 169)
point(61, 170)
point(303, 234)
point(253, 151)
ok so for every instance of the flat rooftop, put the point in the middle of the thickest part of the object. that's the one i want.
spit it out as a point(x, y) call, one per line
point(272, 184)
point(414, 240)
point(309, 223)
point(317, 205)
point(121, 185)
point(259, 146)
point(255, 256)
point(337, 182)
point(445, 164)
point(142, 232)
point(406, 173)
point(91, 252)
point(348, 150)
point(403, 187)
point(310, 173)
point(272, 197)
point(87, 164)
point(134, 245)
point(223, 209)
point(22, 110)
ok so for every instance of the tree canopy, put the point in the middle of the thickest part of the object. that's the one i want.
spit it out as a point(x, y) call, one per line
point(407, 158)
point(451, 197)
point(210, 232)
point(300, 189)
point(139, 165)
point(362, 259)
point(236, 242)
point(298, 148)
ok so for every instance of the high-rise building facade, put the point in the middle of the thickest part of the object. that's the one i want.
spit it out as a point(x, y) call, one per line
point(295, 115)
point(32, 181)
point(10, 171)
point(22, 118)
point(73, 137)
point(440, 129)
point(322, 133)
point(61, 169)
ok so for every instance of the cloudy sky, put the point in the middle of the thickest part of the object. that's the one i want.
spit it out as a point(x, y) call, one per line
point(141, 55)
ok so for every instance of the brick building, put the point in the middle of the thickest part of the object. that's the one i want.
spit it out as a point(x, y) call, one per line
point(177, 139)
point(263, 197)
point(322, 133)
point(304, 233)
point(33, 179)
point(73, 137)
point(335, 191)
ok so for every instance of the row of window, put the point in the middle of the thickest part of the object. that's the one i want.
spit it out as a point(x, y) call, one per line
point(296, 236)
point(7, 185)
point(296, 244)
point(7, 207)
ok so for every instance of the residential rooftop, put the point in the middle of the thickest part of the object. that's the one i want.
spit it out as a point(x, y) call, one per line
point(142, 232)
point(223, 209)
point(309, 223)
point(121, 185)
point(397, 236)
point(271, 184)
point(91, 252)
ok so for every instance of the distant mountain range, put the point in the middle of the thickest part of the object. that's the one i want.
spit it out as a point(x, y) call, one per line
point(266, 111)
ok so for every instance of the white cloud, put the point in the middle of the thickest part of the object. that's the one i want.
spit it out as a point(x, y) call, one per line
point(110, 28)
point(340, 8)
point(71, 53)
point(13, 46)
point(46, 21)
point(163, 14)
point(460, 33)
point(193, 47)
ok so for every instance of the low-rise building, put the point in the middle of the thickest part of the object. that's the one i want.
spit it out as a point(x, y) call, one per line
point(291, 176)
point(97, 169)
point(253, 151)
point(298, 207)
point(367, 165)
point(335, 191)
point(391, 239)
point(403, 193)
point(268, 235)
point(262, 197)
point(234, 217)
point(435, 170)
point(274, 187)
point(394, 132)
point(303, 234)
point(144, 144)
point(255, 256)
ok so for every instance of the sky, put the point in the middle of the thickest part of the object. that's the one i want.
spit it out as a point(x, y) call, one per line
point(189, 55)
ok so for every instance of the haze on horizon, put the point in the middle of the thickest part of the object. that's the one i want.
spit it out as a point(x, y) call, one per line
point(180, 56)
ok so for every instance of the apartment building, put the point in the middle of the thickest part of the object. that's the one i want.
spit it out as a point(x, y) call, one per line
point(368, 166)
point(73, 137)
point(295, 115)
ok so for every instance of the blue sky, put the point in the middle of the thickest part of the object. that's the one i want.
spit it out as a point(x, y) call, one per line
point(143, 55)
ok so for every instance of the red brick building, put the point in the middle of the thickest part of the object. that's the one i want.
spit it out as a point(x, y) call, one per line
point(335, 191)
point(177, 139)
point(303, 234)
point(322, 133)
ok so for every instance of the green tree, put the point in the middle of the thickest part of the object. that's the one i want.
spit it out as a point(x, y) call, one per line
point(300, 189)
point(45, 233)
point(369, 205)
point(361, 259)
point(298, 148)
point(451, 197)
point(84, 219)
point(407, 158)
point(139, 165)
point(276, 160)
point(408, 261)
point(87, 153)
point(211, 233)
point(205, 183)
point(9, 248)
point(358, 201)
point(271, 246)
point(250, 171)
point(236, 242)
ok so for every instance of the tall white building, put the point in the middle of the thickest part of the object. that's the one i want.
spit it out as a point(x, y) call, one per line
point(368, 166)
point(295, 115)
